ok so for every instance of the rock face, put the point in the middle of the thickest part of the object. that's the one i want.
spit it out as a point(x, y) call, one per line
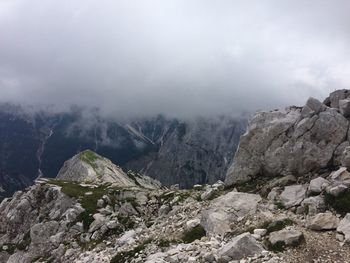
point(89, 167)
point(293, 141)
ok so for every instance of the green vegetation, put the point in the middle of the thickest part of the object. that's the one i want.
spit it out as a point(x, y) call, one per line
point(25, 242)
point(126, 221)
point(9, 248)
point(87, 196)
point(89, 157)
point(166, 242)
point(340, 203)
point(126, 256)
point(279, 205)
point(195, 233)
point(276, 225)
point(277, 247)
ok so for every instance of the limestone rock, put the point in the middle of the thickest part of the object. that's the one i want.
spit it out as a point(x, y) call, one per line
point(323, 221)
point(345, 159)
point(226, 209)
point(344, 107)
point(289, 141)
point(240, 247)
point(287, 237)
point(344, 227)
point(317, 185)
point(89, 167)
point(293, 195)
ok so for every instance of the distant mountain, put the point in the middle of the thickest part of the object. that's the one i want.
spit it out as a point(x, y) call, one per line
point(37, 143)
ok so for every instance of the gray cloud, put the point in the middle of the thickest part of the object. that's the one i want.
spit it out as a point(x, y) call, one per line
point(178, 57)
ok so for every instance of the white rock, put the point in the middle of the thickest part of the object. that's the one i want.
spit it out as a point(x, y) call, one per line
point(240, 247)
point(293, 195)
point(344, 227)
point(317, 185)
point(323, 221)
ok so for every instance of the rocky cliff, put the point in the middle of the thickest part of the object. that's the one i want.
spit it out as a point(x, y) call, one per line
point(298, 141)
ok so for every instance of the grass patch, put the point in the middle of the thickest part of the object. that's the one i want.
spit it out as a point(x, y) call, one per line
point(89, 157)
point(126, 221)
point(340, 203)
point(88, 202)
point(126, 256)
point(195, 233)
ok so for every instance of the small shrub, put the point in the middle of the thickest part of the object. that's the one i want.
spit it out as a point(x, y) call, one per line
point(25, 242)
point(340, 203)
point(277, 225)
point(277, 247)
point(126, 256)
point(195, 233)
point(86, 219)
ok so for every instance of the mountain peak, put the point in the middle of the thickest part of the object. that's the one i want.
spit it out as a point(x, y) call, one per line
point(89, 167)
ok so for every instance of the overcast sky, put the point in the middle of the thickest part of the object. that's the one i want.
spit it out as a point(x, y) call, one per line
point(179, 57)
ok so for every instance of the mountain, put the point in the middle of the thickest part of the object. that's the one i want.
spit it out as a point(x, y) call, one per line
point(89, 167)
point(286, 199)
point(35, 143)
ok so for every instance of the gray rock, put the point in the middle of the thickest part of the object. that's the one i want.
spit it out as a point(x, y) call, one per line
point(344, 227)
point(226, 209)
point(89, 167)
point(209, 193)
point(293, 195)
point(287, 237)
point(323, 221)
point(40, 233)
point(344, 107)
point(336, 96)
point(345, 158)
point(240, 247)
point(314, 204)
point(283, 142)
point(317, 185)
point(312, 107)
point(337, 190)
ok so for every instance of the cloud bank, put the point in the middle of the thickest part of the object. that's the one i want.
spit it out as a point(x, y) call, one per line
point(177, 57)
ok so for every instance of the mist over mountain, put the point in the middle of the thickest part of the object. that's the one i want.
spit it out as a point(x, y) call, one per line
point(174, 151)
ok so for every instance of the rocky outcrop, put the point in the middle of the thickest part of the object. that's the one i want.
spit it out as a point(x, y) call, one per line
point(89, 167)
point(294, 140)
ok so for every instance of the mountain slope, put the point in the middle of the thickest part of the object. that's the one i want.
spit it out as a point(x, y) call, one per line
point(37, 143)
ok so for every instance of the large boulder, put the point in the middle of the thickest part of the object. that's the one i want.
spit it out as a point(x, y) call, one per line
point(293, 141)
point(240, 247)
point(89, 167)
point(293, 195)
point(286, 237)
point(323, 221)
point(224, 210)
point(344, 227)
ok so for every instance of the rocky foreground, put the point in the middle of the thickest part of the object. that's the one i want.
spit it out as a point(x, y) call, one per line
point(286, 199)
